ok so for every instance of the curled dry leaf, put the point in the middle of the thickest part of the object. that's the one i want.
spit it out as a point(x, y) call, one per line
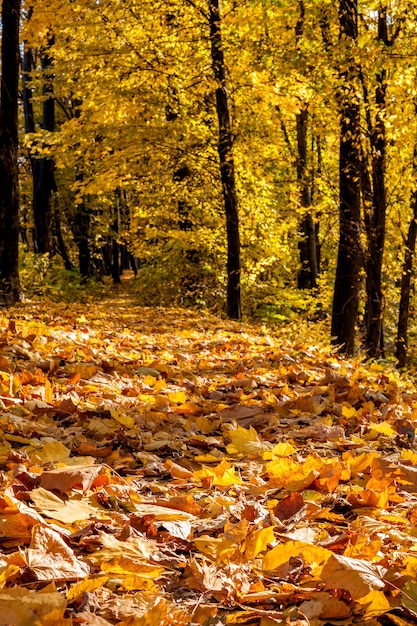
point(49, 558)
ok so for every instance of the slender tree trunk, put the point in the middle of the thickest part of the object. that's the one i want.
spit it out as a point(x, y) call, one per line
point(27, 67)
point(10, 290)
point(81, 226)
point(115, 247)
point(376, 222)
point(43, 174)
point(406, 277)
point(407, 273)
point(227, 166)
point(43, 169)
point(349, 259)
point(82, 238)
point(309, 271)
point(59, 240)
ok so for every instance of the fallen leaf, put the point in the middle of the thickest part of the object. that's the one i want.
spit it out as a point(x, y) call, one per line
point(49, 558)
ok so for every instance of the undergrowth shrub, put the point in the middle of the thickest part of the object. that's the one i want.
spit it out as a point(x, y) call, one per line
point(46, 279)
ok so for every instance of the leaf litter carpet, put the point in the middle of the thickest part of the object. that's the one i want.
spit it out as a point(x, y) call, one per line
point(163, 467)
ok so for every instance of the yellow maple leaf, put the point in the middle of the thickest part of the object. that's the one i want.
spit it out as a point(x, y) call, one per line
point(282, 449)
point(383, 428)
point(177, 397)
point(223, 475)
point(123, 419)
point(85, 586)
point(375, 603)
point(309, 553)
point(205, 425)
point(244, 441)
point(257, 542)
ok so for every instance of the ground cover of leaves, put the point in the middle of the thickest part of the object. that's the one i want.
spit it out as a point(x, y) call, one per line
point(164, 467)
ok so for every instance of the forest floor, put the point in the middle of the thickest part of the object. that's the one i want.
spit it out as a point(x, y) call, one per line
point(165, 467)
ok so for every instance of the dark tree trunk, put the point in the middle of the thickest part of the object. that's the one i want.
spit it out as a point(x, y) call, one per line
point(309, 271)
point(406, 277)
point(349, 259)
point(43, 174)
point(27, 67)
point(407, 272)
point(81, 229)
point(115, 247)
point(227, 167)
point(115, 266)
point(376, 222)
point(10, 290)
point(43, 169)
point(82, 239)
point(59, 241)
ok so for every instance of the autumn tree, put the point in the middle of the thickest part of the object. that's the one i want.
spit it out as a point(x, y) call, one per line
point(42, 166)
point(10, 290)
point(227, 165)
point(349, 259)
point(309, 255)
point(374, 187)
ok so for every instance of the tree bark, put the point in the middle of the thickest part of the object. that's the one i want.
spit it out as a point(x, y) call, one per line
point(309, 271)
point(376, 222)
point(227, 166)
point(10, 290)
point(59, 240)
point(43, 169)
point(407, 273)
point(349, 259)
point(401, 346)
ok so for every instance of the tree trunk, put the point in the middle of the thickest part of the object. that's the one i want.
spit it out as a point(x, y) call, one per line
point(82, 239)
point(43, 174)
point(10, 290)
point(349, 259)
point(309, 271)
point(406, 277)
point(43, 169)
point(404, 309)
point(59, 240)
point(115, 247)
point(376, 222)
point(227, 166)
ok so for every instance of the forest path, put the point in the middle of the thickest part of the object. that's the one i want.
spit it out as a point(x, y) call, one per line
point(163, 464)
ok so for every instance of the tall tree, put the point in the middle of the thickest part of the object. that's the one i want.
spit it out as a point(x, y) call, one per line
point(375, 211)
point(227, 164)
point(309, 258)
point(349, 259)
point(10, 290)
point(43, 176)
point(401, 345)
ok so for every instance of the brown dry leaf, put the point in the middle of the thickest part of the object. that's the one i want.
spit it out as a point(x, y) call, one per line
point(146, 608)
point(239, 412)
point(16, 527)
point(65, 478)
point(66, 512)
point(49, 558)
point(23, 607)
point(290, 506)
point(355, 576)
point(134, 547)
